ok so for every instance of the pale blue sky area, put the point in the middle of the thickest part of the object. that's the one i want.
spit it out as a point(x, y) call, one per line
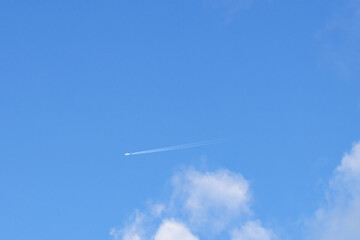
point(83, 82)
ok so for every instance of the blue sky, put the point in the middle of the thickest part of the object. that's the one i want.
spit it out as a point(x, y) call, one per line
point(83, 82)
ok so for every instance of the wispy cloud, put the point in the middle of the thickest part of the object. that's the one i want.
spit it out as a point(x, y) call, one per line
point(202, 203)
point(251, 230)
point(131, 231)
point(340, 40)
point(340, 217)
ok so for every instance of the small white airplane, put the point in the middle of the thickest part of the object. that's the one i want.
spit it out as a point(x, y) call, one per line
point(127, 154)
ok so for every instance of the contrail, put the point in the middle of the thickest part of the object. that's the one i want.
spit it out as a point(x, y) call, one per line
point(176, 147)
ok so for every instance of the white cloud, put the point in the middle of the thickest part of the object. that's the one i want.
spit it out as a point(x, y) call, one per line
point(212, 197)
point(206, 203)
point(132, 231)
point(251, 230)
point(340, 218)
point(202, 201)
point(172, 230)
point(350, 165)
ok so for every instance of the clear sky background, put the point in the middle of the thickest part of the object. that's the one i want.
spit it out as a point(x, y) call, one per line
point(83, 82)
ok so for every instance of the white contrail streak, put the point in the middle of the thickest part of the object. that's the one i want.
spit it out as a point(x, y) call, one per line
point(176, 147)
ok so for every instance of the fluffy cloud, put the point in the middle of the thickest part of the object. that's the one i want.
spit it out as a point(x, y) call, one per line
point(212, 197)
point(340, 218)
point(202, 202)
point(170, 229)
point(251, 230)
point(221, 200)
point(349, 170)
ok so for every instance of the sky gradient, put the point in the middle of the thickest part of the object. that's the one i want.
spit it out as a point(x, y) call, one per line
point(83, 82)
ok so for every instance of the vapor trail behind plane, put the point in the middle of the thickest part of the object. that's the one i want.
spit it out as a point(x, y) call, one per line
point(176, 147)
